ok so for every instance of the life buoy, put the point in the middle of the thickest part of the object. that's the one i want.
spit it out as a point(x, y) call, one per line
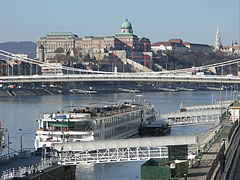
point(64, 129)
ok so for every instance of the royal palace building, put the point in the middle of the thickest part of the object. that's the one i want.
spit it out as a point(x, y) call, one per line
point(63, 43)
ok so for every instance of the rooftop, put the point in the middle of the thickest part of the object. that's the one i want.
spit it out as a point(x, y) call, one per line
point(126, 25)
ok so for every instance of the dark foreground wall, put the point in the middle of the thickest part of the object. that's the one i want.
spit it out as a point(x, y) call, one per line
point(53, 173)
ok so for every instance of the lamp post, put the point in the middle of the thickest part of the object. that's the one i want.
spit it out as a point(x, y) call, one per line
point(132, 53)
point(221, 88)
point(20, 130)
point(124, 63)
point(166, 60)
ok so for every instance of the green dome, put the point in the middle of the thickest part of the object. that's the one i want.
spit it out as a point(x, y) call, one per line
point(126, 25)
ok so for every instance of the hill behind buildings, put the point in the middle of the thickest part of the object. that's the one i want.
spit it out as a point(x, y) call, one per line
point(24, 47)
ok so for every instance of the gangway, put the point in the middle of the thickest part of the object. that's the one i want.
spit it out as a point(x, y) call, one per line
point(119, 150)
point(223, 104)
point(194, 117)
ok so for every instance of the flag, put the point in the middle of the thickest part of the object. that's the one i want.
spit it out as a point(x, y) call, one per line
point(144, 99)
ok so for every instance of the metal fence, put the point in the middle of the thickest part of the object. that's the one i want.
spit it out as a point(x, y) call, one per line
point(25, 153)
point(23, 171)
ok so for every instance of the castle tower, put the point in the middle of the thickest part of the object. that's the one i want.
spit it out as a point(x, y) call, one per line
point(218, 40)
point(41, 53)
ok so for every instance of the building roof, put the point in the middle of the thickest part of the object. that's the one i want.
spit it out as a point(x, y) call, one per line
point(226, 47)
point(61, 34)
point(126, 25)
point(186, 43)
point(195, 44)
point(162, 43)
point(175, 41)
point(236, 47)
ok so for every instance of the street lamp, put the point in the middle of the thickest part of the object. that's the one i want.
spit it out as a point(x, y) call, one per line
point(166, 60)
point(20, 130)
point(132, 50)
point(124, 63)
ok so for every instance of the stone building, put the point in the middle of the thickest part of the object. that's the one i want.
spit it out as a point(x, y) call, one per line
point(234, 49)
point(54, 43)
point(123, 45)
point(62, 43)
point(124, 40)
point(178, 45)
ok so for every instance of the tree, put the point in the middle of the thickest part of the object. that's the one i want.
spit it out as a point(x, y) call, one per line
point(59, 50)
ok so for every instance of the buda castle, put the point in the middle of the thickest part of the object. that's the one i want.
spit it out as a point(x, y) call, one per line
point(124, 43)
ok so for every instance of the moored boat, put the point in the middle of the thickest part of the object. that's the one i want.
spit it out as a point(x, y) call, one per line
point(100, 122)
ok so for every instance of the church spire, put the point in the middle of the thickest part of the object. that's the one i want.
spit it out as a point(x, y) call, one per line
point(218, 40)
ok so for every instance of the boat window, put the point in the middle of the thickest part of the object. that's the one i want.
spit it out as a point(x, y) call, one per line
point(83, 126)
point(71, 126)
point(44, 124)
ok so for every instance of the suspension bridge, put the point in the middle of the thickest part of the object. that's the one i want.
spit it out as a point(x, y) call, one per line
point(84, 75)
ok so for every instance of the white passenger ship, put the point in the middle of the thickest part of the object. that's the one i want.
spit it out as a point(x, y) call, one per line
point(120, 120)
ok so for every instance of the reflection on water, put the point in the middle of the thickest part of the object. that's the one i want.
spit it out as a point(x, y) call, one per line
point(119, 170)
point(21, 112)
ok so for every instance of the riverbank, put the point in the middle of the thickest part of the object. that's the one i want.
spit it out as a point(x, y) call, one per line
point(35, 91)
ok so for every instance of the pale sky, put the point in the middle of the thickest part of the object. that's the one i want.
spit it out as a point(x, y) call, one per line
point(160, 20)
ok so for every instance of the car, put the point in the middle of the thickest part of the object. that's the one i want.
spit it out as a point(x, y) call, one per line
point(223, 141)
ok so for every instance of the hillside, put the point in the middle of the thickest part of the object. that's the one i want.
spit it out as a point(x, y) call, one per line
point(180, 60)
point(25, 47)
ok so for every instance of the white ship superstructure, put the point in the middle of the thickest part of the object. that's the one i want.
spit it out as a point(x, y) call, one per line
point(120, 120)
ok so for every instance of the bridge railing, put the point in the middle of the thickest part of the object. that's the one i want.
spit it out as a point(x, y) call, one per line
point(111, 155)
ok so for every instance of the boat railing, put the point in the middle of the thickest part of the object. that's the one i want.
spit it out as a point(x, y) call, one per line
point(25, 153)
point(23, 171)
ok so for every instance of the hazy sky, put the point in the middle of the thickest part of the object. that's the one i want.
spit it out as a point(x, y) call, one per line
point(160, 20)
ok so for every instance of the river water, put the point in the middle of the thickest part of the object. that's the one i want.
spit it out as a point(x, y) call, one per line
point(22, 112)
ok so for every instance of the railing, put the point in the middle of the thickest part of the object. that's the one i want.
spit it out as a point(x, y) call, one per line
point(195, 162)
point(233, 129)
point(209, 144)
point(112, 155)
point(23, 171)
point(25, 153)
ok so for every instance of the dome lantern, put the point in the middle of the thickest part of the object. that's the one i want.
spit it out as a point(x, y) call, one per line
point(126, 27)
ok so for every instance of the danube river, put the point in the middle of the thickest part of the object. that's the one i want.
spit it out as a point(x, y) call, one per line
point(22, 112)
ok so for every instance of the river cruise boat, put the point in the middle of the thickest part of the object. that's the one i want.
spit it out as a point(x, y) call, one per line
point(100, 122)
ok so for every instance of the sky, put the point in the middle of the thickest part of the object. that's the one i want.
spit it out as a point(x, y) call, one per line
point(159, 20)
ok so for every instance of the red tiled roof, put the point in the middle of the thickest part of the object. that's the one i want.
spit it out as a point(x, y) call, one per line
point(225, 47)
point(186, 43)
point(236, 47)
point(162, 43)
point(175, 40)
